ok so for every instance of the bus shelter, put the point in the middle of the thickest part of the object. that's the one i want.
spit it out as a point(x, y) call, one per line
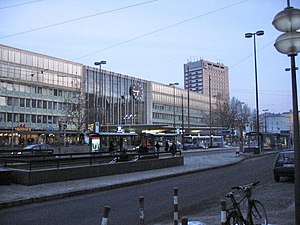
point(268, 142)
point(156, 142)
point(113, 141)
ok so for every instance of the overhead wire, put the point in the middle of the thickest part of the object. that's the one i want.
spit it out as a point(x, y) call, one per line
point(161, 29)
point(24, 3)
point(76, 19)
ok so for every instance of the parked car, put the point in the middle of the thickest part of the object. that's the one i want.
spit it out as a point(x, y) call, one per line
point(37, 149)
point(284, 165)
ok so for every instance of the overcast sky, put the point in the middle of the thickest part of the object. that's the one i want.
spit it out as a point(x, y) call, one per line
point(152, 39)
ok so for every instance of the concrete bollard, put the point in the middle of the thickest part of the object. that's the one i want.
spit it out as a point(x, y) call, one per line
point(142, 212)
point(184, 221)
point(105, 215)
point(223, 212)
point(176, 217)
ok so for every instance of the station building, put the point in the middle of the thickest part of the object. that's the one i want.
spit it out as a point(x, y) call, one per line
point(44, 99)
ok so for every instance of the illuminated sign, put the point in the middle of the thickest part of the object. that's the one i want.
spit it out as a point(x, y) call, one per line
point(22, 129)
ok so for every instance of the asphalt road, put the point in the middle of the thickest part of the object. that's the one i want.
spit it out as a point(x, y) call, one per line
point(197, 192)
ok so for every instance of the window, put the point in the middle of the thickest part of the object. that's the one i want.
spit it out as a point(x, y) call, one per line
point(33, 118)
point(59, 106)
point(9, 101)
point(49, 105)
point(2, 117)
point(9, 117)
point(22, 118)
point(22, 102)
point(44, 104)
point(28, 103)
point(39, 104)
point(27, 118)
point(54, 105)
point(34, 103)
point(39, 119)
point(44, 119)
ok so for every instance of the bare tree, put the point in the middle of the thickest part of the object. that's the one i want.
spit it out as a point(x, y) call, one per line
point(75, 112)
point(231, 115)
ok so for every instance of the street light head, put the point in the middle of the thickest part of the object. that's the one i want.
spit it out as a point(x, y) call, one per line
point(173, 84)
point(99, 63)
point(260, 33)
point(287, 20)
point(288, 43)
point(248, 35)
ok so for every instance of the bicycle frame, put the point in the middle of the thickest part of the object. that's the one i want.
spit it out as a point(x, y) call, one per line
point(236, 208)
point(235, 212)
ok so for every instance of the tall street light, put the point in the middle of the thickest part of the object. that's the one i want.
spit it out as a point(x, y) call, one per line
point(250, 35)
point(210, 118)
point(265, 110)
point(288, 43)
point(97, 120)
point(173, 85)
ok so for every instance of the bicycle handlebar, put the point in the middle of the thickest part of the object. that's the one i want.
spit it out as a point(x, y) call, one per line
point(245, 186)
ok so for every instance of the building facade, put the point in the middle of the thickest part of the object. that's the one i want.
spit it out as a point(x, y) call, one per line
point(114, 99)
point(207, 78)
point(178, 107)
point(44, 99)
point(276, 122)
point(34, 89)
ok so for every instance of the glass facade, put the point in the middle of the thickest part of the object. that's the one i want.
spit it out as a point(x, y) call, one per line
point(41, 96)
point(34, 91)
point(190, 108)
point(110, 101)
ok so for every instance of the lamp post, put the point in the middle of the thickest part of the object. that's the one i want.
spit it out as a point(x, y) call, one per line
point(210, 118)
point(288, 43)
point(265, 110)
point(97, 120)
point(174, 103)
point(250, 35)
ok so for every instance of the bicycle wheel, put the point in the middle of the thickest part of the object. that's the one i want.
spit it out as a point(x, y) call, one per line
point(258, 214)
point(234, 219)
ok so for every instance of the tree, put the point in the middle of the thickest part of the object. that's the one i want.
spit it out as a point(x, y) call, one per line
point(75, 112)
point(231, 115)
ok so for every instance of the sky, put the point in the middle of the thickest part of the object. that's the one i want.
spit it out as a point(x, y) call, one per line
point(152, 39)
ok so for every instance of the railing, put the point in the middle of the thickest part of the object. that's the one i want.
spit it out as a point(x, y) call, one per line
point(45, 161)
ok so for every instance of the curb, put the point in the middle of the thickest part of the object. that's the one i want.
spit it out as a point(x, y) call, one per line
point(39, 199)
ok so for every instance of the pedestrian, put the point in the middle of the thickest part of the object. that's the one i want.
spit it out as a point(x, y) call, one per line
point(157, 146)
point(111, 147)
point(173, 149)
point(167, 146)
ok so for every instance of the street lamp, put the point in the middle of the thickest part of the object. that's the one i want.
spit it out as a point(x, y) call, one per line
point(210, 118)
point(288, 43)
point(96, 102)
point(265, 110)
point(173, 85)
point(250, 35)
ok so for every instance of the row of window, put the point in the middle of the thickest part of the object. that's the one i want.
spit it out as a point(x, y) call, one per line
point(34, 60)
point(4, 86)
point(31, 103)
point(28, 118)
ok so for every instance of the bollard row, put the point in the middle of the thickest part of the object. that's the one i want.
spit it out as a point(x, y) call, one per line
point(184, 220)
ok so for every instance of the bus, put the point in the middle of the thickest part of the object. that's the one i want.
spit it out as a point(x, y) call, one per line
point(195, 142)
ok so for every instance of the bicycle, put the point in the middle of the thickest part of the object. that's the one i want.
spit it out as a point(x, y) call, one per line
point(255, 213)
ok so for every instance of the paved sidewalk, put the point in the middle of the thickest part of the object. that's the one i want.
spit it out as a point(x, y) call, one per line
point(15, 194)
